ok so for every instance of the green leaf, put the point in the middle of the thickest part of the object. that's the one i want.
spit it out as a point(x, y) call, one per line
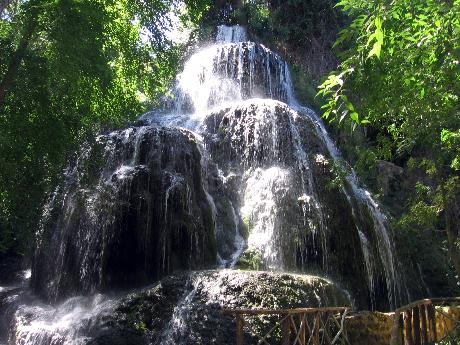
point(455, 164)
point(376, 49)
point(354, 116)
point(377, 38)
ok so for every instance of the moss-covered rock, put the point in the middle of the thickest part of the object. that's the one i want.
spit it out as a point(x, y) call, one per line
point(187, 308)
point(251, 259)
point(369, 328)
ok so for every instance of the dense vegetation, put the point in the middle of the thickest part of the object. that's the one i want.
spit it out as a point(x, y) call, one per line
point(399, 76)
point(69, 68)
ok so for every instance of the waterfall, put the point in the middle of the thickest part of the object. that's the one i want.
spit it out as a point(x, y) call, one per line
point(215, 78)
point(394, 281)
point(233, 171)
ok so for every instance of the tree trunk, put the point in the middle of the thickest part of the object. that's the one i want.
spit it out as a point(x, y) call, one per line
point(17, 57)
point(451, 213)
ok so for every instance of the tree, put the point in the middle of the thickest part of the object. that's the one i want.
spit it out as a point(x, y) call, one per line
point(399, 74)
point(69, 68)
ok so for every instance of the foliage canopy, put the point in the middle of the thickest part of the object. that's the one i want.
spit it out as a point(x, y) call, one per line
point(69, 68)
point(400, 76)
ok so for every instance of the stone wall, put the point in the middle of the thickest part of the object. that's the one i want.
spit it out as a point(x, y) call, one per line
point(374, 328)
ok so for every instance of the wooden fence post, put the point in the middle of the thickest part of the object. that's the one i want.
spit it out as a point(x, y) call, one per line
point(401, 328)
point(308, 330)
point(303, 328)
point(416, 325)
point(424, 328)
point(396, 331)
point(286, 330)
point(432, 320)
point(239, 330)
point(408, 327)
point(316, 330)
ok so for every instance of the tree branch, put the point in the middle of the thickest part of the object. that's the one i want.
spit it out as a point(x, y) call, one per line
point(18, 55)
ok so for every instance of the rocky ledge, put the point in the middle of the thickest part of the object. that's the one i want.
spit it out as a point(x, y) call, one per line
point(187, 308)
point(183, 308)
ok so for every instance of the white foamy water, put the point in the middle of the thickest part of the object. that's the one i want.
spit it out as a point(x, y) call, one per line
point(263, 188)
point(231, 34)
point(65, 324)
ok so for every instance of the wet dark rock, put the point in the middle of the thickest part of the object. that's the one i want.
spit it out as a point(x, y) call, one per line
point(145, 201)
point(389, 177)
point(187, 308)
point(11, 269)
point(314, 226)
point(183, 308)
point(132, 209)
point(118, 337)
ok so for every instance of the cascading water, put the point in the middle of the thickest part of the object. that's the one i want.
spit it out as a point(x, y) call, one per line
point(236, 70)
point(232, 173)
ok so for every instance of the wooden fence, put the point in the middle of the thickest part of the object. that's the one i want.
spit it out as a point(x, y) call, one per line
point(425, 321)
point(302, 326)
point(420, 323)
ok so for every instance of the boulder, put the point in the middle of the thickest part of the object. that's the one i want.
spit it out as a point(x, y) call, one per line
point(187, 308)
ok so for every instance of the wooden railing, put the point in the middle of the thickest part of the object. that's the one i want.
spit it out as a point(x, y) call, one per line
point(425, 321)
point(420, 323)
point(303, 326)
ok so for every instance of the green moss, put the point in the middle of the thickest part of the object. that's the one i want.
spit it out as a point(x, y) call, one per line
point(140, 327)
point(193, 140)
point(305, 87)
point(250, 260)
point(339, 173)
point(246, 227)
point(222, 131)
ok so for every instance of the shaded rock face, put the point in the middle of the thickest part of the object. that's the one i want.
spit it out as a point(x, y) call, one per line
point(131, 210)
point(12, 269)
point(278, 174)
point(389, 178)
